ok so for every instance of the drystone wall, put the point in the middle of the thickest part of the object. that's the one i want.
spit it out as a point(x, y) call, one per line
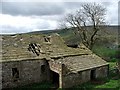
point(102, 71)
point(56, 67)
point(20, 73)
point(75, 78)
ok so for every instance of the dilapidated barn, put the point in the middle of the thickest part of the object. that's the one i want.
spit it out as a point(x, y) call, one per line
point(28, 59)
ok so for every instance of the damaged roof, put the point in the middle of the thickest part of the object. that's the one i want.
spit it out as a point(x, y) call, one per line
point(18, 47)
point(30, 47)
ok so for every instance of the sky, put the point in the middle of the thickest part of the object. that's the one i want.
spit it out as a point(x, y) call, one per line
point(22, 16)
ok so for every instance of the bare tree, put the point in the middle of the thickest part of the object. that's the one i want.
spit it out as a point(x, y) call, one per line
point(91, 14)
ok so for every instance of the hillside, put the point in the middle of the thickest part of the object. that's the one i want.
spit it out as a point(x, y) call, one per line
point(108, 35)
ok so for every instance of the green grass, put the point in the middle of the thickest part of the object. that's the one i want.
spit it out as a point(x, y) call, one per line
point(112, 65)
point(110, 84)
point(104, 51)
point(107, 85)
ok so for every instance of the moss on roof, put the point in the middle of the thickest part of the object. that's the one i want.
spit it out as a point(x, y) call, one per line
point(81, 62)
point(15, 47)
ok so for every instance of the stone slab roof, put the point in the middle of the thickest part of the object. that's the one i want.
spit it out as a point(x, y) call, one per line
point(83, 62)
point(18, 48)
point(15, 47)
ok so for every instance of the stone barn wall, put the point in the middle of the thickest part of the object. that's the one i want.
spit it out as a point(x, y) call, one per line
point(57, 67)
point(102, 71)
point(34, 71)
point(73, 79)
point(30, 71)
point(76, 78)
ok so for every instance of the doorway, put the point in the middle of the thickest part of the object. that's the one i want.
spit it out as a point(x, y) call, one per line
point(93, 74)
point(55, 79)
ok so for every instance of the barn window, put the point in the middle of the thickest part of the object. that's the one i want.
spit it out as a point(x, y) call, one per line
point(42, 68)
point(15, 74)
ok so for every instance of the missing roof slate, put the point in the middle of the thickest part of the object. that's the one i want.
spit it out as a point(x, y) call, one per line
point(35, 48)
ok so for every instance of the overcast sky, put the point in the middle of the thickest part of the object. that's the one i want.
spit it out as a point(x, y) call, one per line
point(20, 17)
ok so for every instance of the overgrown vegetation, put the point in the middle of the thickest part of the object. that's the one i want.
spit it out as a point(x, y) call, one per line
point(106, 53)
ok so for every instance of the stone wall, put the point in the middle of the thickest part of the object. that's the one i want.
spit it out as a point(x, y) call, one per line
point(102, 72)
point(71, 79)
point(29, 72)
point(83, 76)
point(56, 67)
point(75, 78)
point(34, 71)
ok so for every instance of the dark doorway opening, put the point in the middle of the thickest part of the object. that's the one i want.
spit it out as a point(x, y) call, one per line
point(55, 79)
point(43, 69)
point(93, 74)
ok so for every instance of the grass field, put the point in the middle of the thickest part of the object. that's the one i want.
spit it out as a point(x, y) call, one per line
point(104, 52)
